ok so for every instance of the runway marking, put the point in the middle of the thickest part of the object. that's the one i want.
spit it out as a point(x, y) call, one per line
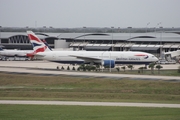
point(122, 104)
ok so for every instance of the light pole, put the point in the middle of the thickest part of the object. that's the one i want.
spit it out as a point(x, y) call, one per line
point(0, 34)
point(130, 31)
point(118, 29)
point(44, 28)
point(84, 36)
point(112, 49)
point(147, 26)
point(156, 27)
point(102, 59)
point(129, 37)
point(161, 28)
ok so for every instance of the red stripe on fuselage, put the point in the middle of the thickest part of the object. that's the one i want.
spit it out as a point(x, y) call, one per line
point(141, 55)
point(31, 55)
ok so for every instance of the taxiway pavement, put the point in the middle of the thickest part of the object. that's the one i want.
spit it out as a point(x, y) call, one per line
point(89, 103)
point(45, 67)
point(52, 65)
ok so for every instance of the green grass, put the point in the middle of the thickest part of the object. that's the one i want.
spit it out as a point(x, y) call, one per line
point(52, 112)
point(62, 87)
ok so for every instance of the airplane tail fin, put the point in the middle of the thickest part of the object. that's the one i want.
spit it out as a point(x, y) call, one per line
point(44, 41)
point(38, 45)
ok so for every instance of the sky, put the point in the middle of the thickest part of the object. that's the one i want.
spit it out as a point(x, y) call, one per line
point(90, 13)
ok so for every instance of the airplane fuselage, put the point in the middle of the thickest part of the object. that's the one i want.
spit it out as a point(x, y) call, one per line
point(73, 57)
point(14, 53)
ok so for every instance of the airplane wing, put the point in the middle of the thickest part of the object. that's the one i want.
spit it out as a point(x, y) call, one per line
point(87, 58)
point(96, 60)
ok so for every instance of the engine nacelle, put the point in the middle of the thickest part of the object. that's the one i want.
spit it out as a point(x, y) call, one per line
point(108, 63)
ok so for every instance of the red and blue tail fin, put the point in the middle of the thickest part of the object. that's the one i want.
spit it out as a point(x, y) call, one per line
point(38, 45)
point(44, 41)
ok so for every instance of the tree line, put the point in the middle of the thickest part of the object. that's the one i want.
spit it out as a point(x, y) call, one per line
point(85, 30)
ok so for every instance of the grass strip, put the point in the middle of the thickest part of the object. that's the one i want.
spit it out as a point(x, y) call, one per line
point(36, 87)
point(54, 112)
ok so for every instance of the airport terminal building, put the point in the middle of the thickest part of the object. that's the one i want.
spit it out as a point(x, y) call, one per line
point(154, 42)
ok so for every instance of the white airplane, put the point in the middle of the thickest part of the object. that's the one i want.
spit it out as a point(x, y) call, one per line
point(18, 53)
point(14, 53)
point(105, 58)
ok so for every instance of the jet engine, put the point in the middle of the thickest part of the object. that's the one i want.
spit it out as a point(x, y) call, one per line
point(107, 63)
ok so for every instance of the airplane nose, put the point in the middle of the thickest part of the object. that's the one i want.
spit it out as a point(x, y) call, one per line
point(156, 59)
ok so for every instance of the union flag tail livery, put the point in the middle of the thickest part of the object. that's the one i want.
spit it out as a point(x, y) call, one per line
point(44, 41)
point(38, 45)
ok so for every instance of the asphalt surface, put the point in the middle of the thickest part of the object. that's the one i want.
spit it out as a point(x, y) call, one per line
point(52, 65)
point(89, 103)
point(49, 68)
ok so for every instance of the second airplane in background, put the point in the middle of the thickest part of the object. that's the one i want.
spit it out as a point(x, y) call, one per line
point(105, 58)
point(14, 53)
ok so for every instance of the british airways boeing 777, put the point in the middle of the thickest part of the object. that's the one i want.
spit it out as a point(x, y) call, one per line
point(105, 58)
